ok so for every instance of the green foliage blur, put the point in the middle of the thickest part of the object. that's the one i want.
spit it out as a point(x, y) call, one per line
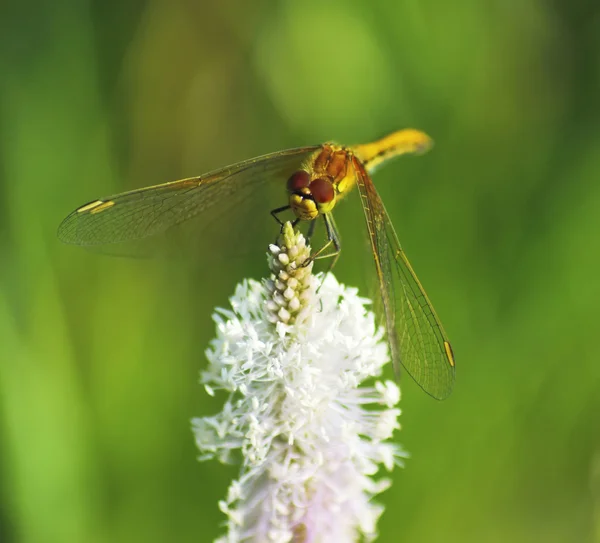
point(99, 356)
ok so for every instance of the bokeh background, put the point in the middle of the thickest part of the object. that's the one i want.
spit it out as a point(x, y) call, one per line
point(99, 356)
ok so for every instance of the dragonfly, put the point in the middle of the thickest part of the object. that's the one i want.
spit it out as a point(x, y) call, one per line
point(317, 177)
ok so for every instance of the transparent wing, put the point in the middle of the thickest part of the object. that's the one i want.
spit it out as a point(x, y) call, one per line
point(416, 336)
point(144, 212)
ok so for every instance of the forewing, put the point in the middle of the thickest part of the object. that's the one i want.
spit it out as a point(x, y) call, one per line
point(144, 212)
point(416, 336)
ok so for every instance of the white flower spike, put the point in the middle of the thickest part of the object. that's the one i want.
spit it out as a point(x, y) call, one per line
point(291, 354)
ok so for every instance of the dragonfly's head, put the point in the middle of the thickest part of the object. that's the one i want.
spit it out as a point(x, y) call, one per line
point(310, 197)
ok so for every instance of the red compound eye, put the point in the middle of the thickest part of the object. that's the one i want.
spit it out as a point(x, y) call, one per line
point(322, 190)
point(299, 180)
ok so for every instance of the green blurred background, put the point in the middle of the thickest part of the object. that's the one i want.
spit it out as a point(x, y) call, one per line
point(99, 357)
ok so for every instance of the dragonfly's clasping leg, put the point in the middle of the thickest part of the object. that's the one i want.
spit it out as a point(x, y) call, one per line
point(277, 211)
point(311, 230)
point(333, 238)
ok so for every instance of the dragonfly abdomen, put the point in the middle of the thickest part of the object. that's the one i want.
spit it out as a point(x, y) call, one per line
point(395, 144)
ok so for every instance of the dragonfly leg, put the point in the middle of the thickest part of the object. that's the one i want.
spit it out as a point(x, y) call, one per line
point(311, 230)
point(333, 238)
point(277, 211)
